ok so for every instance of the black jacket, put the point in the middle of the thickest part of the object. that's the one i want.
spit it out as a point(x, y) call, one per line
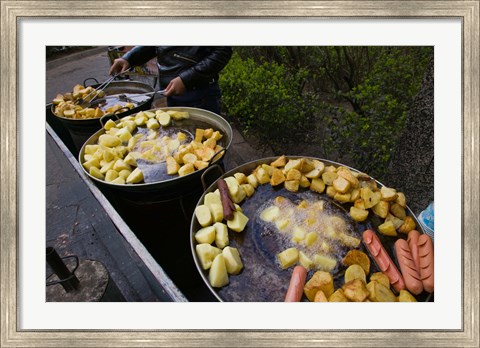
point(197, 66)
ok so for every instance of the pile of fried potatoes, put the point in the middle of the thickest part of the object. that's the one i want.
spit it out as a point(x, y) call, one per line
point(320, 287)
point(65, 104)
point(344, 186)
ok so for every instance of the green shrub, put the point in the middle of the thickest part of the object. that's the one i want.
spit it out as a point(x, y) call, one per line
point(266, 99)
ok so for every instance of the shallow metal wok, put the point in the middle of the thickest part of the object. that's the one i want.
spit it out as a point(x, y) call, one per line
point(171, 186)
point(262, 280)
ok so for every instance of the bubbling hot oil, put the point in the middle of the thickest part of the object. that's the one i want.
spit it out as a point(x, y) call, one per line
point(311, 225)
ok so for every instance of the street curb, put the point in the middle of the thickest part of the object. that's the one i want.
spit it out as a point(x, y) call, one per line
point(75, 56)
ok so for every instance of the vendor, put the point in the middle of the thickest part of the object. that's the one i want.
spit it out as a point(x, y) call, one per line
point(187, 74)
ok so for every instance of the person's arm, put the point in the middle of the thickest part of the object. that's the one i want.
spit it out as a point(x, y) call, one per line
point(208, 67)
point(138, 55)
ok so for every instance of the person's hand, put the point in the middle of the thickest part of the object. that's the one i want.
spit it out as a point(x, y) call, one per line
point(119, 65)
point(175, 87)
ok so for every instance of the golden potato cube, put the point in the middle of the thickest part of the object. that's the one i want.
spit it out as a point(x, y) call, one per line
point(238, 223)
point(124, 173)
point(270, 213)
point(120, 165)
point(199, 134)
point(320, 281)
point(369, 197)
point(119, 181)
point(178, 115)
point(172, 165)
point(338, 296)
point(292, 164)
point(317, 185)
point(379, 293)
point(388, 194)
point(304, 182)
point(94, 162)
point(292, 185)
point(320, 297)
point(233, 262)
point(398, 211)
point(279, 162)
point(109, 124)
point(306, 165)
point(359, 204)
point(218, 275)
point(153, 124)
point(324, 263)
point(221, 234)
point(186, 169)
point(380, 278)
point(355, 290)
point(210, 143)
point(288, 257)
point(314, 173)
point(304, 260)
point(111, 175)
point(262, 176)
point(249, 190)
point(406, 296)
point(355, 272)
point(294, 174)
point(164, 119)
point(341, 184)
point(252, 180)
point(358, 214)
point(331, 192)
point(388, 229)
point(206, 253)
point(204, 217)
point(241, 178)
point(357, 257)
point(95, 172)
point(298, 234)
point(342, 197)
point(109, 140)
point(205, 235)
point(381, 209)
point(130, 160)
point(401, 199)
point(329, 177)
point(277, 177)
point(408, 225)
point(348, 175)
point(311, 238)
point(354, 195)
point(349, 241)
point(135, 177)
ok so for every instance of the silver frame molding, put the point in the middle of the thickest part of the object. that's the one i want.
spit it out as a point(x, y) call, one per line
point(13, 11)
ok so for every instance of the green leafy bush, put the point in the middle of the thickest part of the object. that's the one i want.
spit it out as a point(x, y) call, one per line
point(267, 100)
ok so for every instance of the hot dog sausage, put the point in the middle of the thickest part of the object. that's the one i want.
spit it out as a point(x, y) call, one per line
point(227, 203)
point(425, 251)
point(413, 244)
point(407, 266)
point(297, 282)
point(383, 260)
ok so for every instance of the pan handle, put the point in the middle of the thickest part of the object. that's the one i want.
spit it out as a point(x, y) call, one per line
point(108, 115)
point(90, 78)
point(207, 170)
point(212, 160)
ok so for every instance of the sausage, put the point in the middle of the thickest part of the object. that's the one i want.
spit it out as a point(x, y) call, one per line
point(383, 260)
point(297, 282)
point(409, 270)
point(227, 203)
point(413, 244)
point(425, 251)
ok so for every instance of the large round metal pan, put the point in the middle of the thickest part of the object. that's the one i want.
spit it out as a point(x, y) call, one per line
point(171, 185)
point(262, 280)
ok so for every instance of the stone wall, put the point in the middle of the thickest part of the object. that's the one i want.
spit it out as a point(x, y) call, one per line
point(411, 169)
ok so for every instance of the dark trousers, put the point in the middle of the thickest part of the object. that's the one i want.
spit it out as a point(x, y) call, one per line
point(207, 97)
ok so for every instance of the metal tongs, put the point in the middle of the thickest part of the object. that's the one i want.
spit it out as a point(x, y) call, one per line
point(131, 97)
point(85, 102)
